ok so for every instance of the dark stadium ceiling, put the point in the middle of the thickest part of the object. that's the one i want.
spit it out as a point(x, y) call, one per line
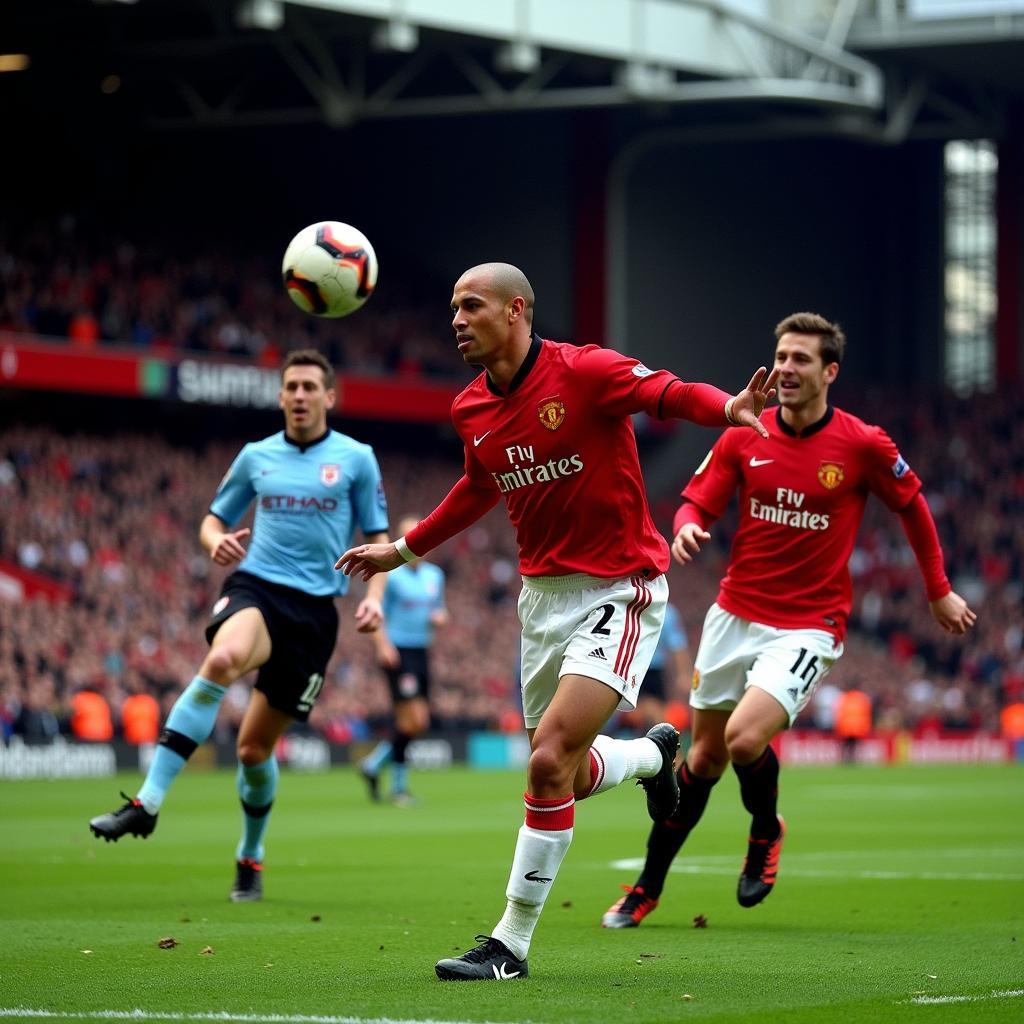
point(192, 64)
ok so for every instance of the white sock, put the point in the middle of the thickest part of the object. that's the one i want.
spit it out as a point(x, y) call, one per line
point(618, 760)
point(538, 856)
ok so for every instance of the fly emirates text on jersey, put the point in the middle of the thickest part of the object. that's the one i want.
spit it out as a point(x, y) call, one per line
point(526, 471)
point(787, 511)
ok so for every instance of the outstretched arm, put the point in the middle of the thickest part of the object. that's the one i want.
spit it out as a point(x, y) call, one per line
point(710, 406)
point(462, 506)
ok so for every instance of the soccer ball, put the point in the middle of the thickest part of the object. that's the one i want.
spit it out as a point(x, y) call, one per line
point(329, 269)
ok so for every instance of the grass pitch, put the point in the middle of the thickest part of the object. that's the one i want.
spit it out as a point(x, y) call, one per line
point(900, 898)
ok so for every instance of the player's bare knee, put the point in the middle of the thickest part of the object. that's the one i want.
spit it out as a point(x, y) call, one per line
point(251, 753)
point(707, 762)
point(745, 746)
point(223, 664)
point(549, 768)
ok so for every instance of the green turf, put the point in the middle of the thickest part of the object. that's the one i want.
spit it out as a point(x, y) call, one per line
point(894, 882)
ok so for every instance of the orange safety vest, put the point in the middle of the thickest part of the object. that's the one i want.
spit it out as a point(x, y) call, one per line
point(140, 718)
point(1011, 719)
point(90, 717)
point(853, 715)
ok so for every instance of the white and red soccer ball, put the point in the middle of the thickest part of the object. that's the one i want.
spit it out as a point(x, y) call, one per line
point(329, 269)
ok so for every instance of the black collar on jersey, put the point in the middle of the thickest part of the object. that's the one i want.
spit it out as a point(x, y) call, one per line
point(536, 344)
point(807, 431)
point(303, 445)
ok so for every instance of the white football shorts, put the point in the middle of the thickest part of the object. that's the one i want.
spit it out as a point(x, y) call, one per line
point(582, 625)
point(735, 654)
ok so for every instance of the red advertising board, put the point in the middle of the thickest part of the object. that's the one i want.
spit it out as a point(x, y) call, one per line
point(31, 363)
point(810, 747)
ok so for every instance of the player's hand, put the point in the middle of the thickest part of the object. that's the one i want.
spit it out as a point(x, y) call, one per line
point(748, 405)
point(369, 615)
point(952, 614)
point(387, 654)
point(687, 542)
point(229, 548)
point(367, 560)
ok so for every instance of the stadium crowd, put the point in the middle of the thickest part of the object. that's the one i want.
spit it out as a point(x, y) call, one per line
point(62, 281)
point(114, 520)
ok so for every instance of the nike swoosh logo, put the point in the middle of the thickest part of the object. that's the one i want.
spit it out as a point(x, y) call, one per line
point(477, 440)
point(759, 462)
point(532, 876)
point(504, 974)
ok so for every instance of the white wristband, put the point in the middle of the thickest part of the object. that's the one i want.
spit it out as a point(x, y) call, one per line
point(728, 412)
point(405, 552)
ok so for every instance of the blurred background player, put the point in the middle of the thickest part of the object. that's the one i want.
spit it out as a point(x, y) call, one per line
point(778, 624)
point(413, 607)
point(547, 427)
point(276, 613)
point(668, 678)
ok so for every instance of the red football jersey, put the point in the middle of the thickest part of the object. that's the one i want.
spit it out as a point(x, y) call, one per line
point(801, 501)
point(559, 449)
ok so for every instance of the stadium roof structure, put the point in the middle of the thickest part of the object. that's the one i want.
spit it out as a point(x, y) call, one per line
point(884, 70)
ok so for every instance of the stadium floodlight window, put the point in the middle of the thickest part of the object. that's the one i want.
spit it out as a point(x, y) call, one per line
point(970, 265)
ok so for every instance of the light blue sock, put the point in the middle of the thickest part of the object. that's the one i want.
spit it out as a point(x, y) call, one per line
point(399, 778)
point(190, 723)
point(377, 758)
point(257, 785)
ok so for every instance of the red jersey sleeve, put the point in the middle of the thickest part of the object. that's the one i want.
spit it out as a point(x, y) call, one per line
point(919, 527)
point(690, 513)
point(472, 497)
point(716, 479)
point(622, 385)
point(888, 475)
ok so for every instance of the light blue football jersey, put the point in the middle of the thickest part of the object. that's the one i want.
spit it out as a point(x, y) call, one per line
point(673, 637)
point(309, 500)
point(413, 591)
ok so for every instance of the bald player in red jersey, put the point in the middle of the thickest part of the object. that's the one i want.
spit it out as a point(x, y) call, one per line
point(547, 429)
point(778, 624)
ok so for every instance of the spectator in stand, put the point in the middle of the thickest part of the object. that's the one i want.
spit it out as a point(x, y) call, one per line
point(37, 720)
point(852, 720)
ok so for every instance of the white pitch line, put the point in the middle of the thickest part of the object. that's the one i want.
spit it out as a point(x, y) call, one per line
point(636, 863)
point(223, 1016)
point(1010, 993)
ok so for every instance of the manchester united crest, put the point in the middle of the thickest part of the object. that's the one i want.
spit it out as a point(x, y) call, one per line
point(696, 678)
point(551, 413)
point(330, 474)
point(830, 475)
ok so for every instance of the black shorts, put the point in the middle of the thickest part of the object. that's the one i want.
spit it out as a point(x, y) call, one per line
point(412, 677)
point(303, 631)
point(654, 684)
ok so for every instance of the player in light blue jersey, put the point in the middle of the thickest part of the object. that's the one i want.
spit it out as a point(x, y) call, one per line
point(312, 487)
point(668, 678)
point(413, 608)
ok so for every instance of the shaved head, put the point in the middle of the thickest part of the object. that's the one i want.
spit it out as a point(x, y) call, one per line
point(504, 281)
